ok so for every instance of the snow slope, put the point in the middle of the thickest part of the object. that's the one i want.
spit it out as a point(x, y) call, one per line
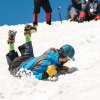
point(83, 84)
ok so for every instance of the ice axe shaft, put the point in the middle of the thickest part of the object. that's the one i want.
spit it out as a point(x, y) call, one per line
point(58, 10)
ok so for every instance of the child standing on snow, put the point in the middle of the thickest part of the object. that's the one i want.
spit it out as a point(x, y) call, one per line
point(47, 65)
point(47, 8)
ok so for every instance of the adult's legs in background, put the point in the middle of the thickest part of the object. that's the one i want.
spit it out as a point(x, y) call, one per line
point(37, 5)
point(47, 8)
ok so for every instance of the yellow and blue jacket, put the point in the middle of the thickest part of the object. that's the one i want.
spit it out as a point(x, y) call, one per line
point(45, 65)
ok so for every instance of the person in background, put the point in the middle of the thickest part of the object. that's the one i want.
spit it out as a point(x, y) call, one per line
point(47, 8)
point(84, 11)
point(47, 65)
point(97, 17)
point(90, 11)
point(74, 10)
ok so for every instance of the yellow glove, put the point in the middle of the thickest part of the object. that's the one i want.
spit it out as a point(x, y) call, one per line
point(65, 68)
point(51, 70)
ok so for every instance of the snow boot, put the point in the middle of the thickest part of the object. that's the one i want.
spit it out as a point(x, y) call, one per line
point(35, 24)
point(29, 29)
point(11, 36)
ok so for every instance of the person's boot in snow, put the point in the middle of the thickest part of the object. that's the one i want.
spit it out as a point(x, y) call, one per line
point(29, 29)
point(11, 36)
point(35, 24)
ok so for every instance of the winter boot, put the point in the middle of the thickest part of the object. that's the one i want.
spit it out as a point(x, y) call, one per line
point(11, 36)
point(29, 29)
point(49, 22)
point(35, 24)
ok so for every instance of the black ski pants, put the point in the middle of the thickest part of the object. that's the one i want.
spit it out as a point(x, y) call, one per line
point(42, 3)
point(14, 60)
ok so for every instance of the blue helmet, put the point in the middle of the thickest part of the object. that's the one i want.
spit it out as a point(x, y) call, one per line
point(67, 51)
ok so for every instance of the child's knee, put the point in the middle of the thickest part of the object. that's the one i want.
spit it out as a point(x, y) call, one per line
point(11, 56)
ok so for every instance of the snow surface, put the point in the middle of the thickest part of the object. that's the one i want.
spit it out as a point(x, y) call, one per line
point(83, 84)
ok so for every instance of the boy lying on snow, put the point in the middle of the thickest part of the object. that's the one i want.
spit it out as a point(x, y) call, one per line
point(47, 65)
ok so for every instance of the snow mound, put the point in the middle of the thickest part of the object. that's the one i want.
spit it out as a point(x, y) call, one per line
point(83, 84)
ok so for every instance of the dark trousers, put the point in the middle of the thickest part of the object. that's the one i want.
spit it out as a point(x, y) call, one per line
point(42, 3)
point(14, 60)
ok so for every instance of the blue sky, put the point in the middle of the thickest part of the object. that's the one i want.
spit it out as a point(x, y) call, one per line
point(14, 12)
point(20, 11)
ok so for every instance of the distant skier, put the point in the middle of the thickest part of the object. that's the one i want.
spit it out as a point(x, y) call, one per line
point(84, 11)
point(90, 11)
point(47, 8)
point(74, 10)
point(43, 67)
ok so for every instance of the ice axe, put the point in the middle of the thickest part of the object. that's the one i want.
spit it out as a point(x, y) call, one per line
point(58, 11)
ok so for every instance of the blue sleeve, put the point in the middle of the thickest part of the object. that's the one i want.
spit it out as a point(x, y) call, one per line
point(38, 72)
point(39, 76)
point(52, 59)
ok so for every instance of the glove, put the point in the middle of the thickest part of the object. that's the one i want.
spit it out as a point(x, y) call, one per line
point(65, 68)
point(72, 69)
point(51, 70)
